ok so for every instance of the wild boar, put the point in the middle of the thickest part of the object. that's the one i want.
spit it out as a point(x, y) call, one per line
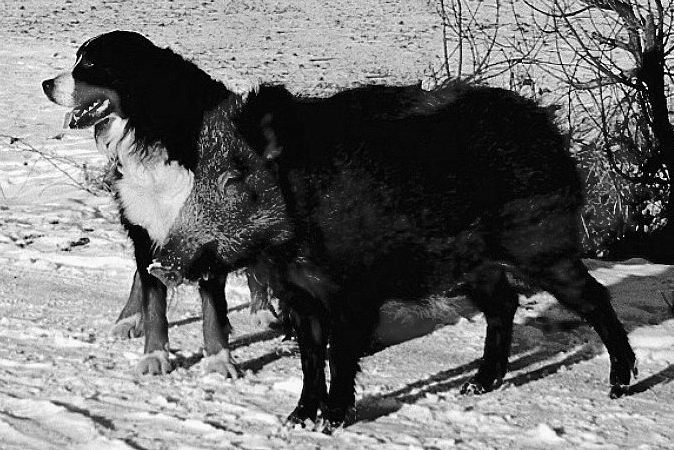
point(383, 193)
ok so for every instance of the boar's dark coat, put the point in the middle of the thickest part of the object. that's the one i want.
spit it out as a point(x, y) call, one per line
point(391, 192)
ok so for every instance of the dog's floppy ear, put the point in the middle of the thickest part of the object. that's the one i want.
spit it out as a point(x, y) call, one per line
point(175, 94)
point(177, 88)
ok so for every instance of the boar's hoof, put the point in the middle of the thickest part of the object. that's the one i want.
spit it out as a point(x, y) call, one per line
point(170, 277)
point(474, 387)
point(329, 426)
point(128, 327)
point(618, 390)
point(155, 363)
point(622, 370)
point(221, 363)
point(298, 418)
point(336, 418)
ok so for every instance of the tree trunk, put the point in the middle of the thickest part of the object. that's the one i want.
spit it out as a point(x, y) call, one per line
point(652, 76)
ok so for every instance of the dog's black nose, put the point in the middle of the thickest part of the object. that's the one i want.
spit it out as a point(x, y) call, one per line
point(48, 86)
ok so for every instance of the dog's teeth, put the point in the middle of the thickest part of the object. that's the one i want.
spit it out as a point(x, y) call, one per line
point(99, 106)
point(85, 116)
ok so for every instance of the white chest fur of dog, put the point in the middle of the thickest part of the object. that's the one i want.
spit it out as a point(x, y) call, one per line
point(151, 190)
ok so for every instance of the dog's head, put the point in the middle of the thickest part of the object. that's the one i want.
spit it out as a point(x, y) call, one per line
point(161, 96)
point(103, 78)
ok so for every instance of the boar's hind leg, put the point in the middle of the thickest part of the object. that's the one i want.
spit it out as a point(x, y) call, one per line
point(309, 321)
point(497, 299)
point(129, 324)
point(569, 281)
point(216, 326)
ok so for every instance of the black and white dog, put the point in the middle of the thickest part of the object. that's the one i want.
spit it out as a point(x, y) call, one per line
point(146, 105)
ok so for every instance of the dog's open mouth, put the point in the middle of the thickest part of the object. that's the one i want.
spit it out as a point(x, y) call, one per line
point(88, 115)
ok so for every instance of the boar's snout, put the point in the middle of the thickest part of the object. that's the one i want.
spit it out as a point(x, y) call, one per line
point(181, 260)
point(170, 276)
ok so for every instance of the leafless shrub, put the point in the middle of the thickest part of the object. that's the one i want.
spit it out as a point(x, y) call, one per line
point(96, 180)
point(606, 62)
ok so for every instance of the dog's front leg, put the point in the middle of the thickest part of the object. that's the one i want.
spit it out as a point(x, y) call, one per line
point(155, 360)
point(129, 324)
point(216, 326)
point(153, 308)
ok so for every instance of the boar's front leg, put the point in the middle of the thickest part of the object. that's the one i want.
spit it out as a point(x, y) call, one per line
point(351, 330)
point(216, 326)
point(308, 317)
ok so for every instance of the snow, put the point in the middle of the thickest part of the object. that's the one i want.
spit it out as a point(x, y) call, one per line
point(66, 268)
point(41, 424)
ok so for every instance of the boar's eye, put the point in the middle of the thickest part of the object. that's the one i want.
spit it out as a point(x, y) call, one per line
point(229, 177)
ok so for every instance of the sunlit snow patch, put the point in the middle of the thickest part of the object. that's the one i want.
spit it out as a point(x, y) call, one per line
point(28, 424)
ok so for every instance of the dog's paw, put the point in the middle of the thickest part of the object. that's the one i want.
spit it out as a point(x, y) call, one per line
point(221, 363)
point(128, 327)
point(155, 363)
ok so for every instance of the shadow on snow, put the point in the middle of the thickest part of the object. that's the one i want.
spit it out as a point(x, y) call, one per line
point(524, 353)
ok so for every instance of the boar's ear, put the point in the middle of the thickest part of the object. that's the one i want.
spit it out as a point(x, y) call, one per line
point(272, 148)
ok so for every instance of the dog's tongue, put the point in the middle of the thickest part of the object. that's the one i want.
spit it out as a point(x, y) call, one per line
point(78, 118)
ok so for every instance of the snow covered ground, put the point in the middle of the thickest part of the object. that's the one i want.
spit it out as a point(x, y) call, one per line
point(66, 267)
